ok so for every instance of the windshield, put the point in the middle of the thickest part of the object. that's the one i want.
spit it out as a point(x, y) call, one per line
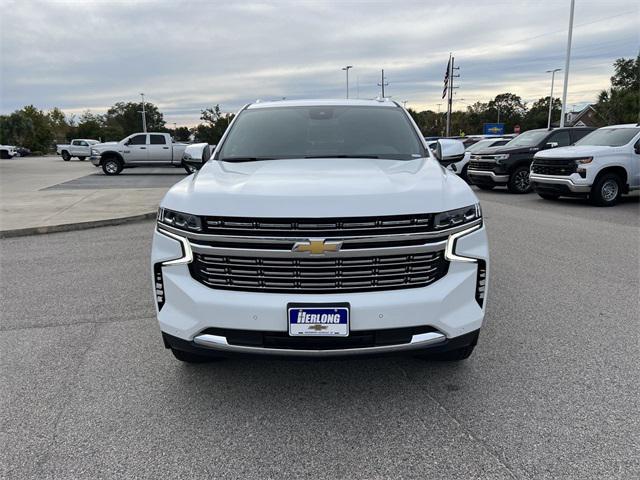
point(322, 132)
point(481, 145)
point(528, 139)
point(609, 137)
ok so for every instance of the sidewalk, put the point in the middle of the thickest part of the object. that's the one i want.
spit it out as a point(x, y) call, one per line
point(25, 205)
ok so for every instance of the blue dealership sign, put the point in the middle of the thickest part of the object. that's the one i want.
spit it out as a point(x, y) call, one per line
point(493, 129)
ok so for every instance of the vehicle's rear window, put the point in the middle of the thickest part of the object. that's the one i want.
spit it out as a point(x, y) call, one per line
point(157, 139)
point(322, 131)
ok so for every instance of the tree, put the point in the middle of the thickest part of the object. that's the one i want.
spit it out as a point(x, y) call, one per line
point(512, 110)
point(125, 119)
point(91, 126)
point(214, 126)
point(538, 115)
point(621, 102)
point(60, 127)
point(182, 134)
point(29, 127)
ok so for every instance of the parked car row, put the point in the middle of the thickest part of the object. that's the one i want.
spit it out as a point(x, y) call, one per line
point(10, 151)
point(599, 164)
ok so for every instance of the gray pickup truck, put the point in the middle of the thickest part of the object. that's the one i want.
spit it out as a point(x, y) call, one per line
point(139, 150)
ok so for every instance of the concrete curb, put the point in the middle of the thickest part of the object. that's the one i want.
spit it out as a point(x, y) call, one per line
point(68, 227)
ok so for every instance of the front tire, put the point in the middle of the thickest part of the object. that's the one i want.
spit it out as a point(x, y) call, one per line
point(456, 355)
point(65, 156)
point(606, 191)
point(82, 159)
point(549, 196)
point(189, 357)
point(519, 181)
point(112, 166)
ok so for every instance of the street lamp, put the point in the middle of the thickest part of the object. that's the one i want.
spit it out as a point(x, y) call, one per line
point(346, 69)
point(144, 116)
point(566, 63)
point(553, 74)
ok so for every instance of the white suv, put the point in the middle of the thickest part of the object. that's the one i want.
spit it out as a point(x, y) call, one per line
point(602, 165)
point(320, 228)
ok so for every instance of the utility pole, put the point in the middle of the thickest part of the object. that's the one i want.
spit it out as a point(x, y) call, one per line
point(383, 83)
point(346, 69)
point(566, 63)
point(553, 74)
point(404, 104)
point(452, 68)
point(357, 86)
point(498, 114)
point(144, 115)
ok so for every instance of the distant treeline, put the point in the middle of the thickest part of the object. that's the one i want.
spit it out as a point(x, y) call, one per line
point(40, 131)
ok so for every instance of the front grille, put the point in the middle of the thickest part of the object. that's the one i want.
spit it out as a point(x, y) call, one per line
point(321, 275)
point(318, 227)
point(483, 166)
point(554, 166)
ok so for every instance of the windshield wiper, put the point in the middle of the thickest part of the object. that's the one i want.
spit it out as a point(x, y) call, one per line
point(245, 159)
point(341, 156)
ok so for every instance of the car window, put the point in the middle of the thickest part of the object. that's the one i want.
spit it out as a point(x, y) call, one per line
point(609, 137)
point(561, 138)
point(528, 139)
point(578, 134)
point(83, 144)
point(157, 140)
point(323, 132)
point(138, 140)
point(74, 142)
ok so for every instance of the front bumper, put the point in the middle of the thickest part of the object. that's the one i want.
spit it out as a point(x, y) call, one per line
point(446, 309)
point(95, 159)
point(559, 185)
point(485, 177)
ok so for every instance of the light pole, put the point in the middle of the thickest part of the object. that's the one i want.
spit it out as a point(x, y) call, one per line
point(144, 116)
point(346, 69)
point(404, 104)
point(383, 83)
point(566, 63)
point(553, 74)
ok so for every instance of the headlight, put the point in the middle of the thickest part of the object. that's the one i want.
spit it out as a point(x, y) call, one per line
point(459, 216)
point(180, 220)
point(503, 156)
point(581, 161)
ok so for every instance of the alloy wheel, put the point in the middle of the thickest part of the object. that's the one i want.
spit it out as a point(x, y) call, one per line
point(609, 190)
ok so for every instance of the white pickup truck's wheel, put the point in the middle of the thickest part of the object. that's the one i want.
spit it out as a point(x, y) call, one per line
point(606, 191)
point(82, 159)
point(65, 156)
point(112, 166)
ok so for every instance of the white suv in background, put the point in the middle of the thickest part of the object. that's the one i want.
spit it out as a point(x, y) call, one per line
point(460, 167)
point(602, 165)
point(320, 228)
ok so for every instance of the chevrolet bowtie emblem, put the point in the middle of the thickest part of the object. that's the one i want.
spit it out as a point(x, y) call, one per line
point(317, 327)
point(317, 246)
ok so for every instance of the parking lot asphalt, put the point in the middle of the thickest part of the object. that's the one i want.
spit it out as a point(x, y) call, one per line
point(552, 390)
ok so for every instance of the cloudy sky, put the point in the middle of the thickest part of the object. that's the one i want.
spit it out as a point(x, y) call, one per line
point(186, 55)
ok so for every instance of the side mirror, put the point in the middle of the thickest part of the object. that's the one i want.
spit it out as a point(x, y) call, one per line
point(551, 144)
point(637, 148)
point(449, 151)
point(197, 155)
point(126, 144)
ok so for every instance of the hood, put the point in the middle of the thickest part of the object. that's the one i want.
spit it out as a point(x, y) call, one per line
point(505, 149)
point(575, 151)
point(103, 145)
point(319, 188)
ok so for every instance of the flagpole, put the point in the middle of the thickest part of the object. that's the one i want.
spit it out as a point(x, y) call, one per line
point(450, 94)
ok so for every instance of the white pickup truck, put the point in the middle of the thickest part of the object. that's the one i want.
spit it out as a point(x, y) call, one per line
point(7, 151)
point(321, 228)
point(79, 147)
point(602, 166)
point(139, 150)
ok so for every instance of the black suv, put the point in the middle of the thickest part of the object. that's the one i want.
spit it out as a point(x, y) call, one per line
point(509, 164)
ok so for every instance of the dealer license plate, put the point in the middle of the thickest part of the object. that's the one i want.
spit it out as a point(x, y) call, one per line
point(318, 321)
